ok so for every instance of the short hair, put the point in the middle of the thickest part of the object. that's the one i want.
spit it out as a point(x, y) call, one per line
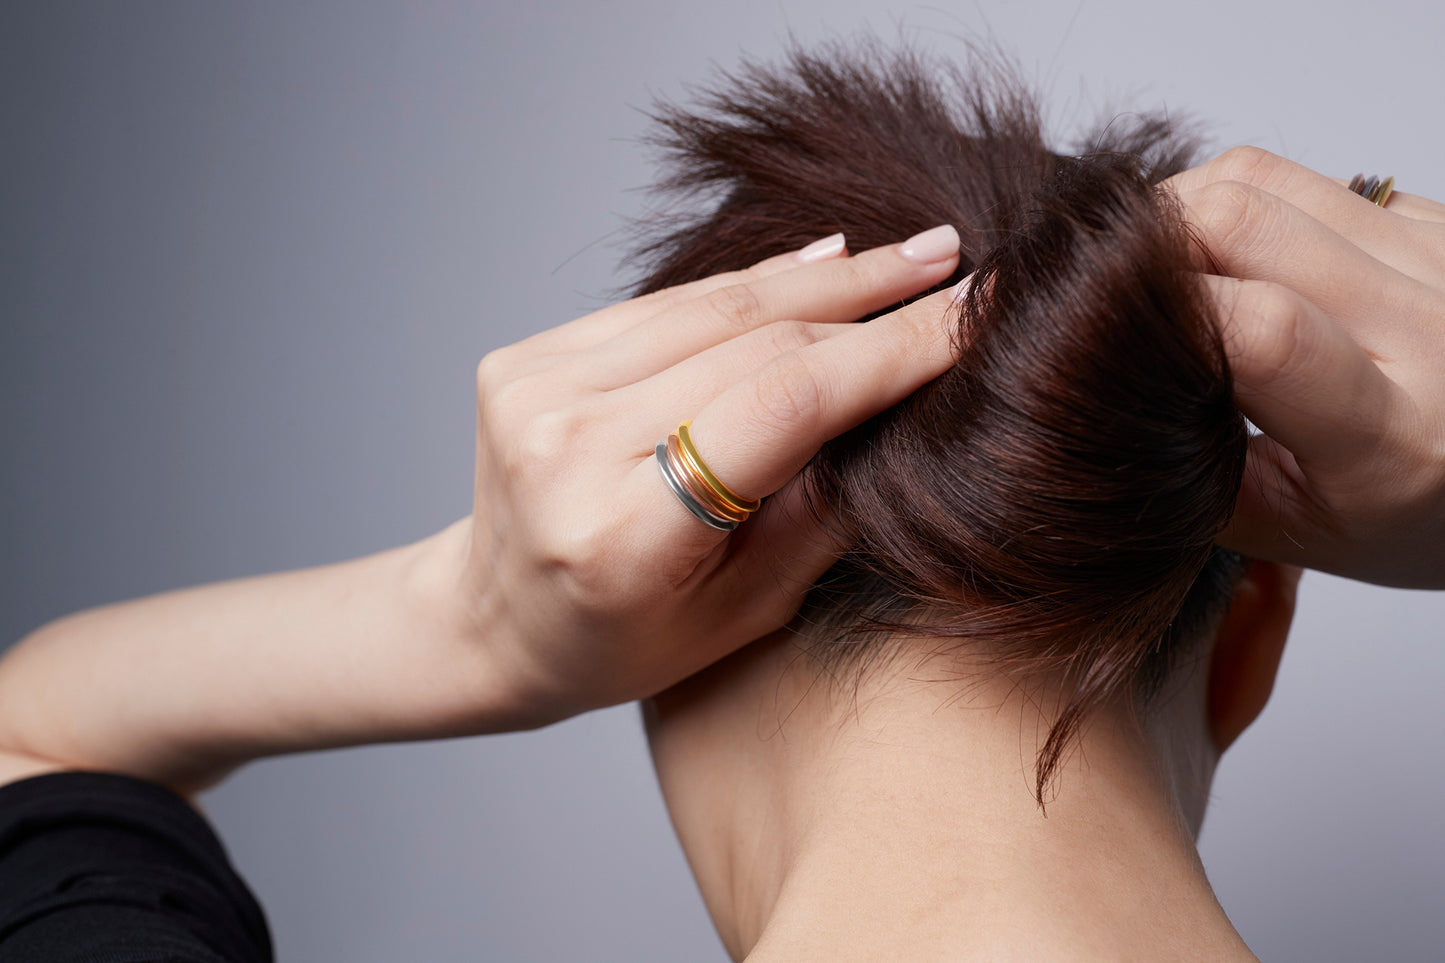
point(1058, 491)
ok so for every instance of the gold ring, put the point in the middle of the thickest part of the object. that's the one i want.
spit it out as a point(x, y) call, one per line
point(697, 485)
point(715, 486)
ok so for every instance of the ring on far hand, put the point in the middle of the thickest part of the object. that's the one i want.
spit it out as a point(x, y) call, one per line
point(1373, 189)
point(701, 492)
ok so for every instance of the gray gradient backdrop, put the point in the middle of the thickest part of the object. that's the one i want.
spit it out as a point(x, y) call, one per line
point(250, 255)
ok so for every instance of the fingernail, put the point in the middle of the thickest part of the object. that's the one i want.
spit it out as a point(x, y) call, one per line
point(932, 246)
point(961, 288)
point(822, 249)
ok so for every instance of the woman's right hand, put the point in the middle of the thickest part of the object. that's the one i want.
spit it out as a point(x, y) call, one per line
point(587, 582)
point(1334, 316)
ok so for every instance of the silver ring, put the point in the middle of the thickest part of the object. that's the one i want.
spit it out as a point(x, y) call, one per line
point(698, 509)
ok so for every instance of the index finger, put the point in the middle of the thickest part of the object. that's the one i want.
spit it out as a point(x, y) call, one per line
point(1253, 234)
point(1326, 199)
point(608, 322)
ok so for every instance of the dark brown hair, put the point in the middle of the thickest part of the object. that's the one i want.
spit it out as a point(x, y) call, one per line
point(1058, 491)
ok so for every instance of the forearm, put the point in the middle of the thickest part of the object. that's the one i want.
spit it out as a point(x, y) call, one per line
point(553, 603)
point(184, 686)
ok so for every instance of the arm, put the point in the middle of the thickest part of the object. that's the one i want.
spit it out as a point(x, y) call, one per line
point(549, 600)
point(182, 687)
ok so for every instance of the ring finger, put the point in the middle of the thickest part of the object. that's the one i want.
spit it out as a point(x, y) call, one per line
point(759, 432)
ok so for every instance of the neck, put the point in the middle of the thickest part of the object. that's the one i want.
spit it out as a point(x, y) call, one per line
point(897, 821)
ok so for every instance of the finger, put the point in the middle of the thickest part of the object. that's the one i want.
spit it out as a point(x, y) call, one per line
point(774, 558)
point(1271, 516)
point(1415, 249)
point(1327, 199)
point(657, 404)
point(1255, 235)
point(583, 333)
point(1279, 515)
point(1413, 206)
point(832, 292)
point(1300, 377)
point(760, 432)
point(1282, 514)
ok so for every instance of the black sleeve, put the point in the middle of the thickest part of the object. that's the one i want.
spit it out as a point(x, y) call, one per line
point(100, 868)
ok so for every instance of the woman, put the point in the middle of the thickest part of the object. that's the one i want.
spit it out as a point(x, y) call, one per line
point(991, 731)
point(549, 601)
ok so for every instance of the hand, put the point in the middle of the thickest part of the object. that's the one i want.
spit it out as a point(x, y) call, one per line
point(589, 582)
point(1334, 317)
point(581, 579)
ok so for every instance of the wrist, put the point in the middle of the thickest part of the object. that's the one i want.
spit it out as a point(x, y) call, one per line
point(478, 688)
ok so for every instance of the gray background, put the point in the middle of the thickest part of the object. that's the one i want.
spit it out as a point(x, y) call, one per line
point(250, 255)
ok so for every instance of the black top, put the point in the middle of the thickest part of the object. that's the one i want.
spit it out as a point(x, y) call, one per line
point(100, 868)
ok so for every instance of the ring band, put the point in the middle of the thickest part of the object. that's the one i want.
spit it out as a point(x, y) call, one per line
point(689, 501)
point(695, 482)
point(723, 492)
point(701, 492)
point(1372, 188)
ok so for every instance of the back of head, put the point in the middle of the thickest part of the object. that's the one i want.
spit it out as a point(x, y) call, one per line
point(1054, 497)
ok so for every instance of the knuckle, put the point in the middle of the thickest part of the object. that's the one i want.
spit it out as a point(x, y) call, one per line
point(781, 337)
point(1231, 215)
point(493, 369)
point(734, 308)
point(1247, 164)
point(929, 319)
point(858, 277)
point(1276, 343)
point(540, 445)
point(502, 405)
point(788, 393)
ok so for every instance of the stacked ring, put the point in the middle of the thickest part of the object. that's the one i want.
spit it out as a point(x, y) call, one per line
point(1373, 189)
point(701, 492)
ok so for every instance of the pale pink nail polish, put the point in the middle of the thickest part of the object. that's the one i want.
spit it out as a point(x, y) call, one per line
point(961, 288)
point(938, 244)
point(822, 249)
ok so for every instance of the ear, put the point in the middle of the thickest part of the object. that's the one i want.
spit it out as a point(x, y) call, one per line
point(1248, 647)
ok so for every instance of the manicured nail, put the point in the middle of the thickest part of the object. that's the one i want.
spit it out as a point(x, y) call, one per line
point(822, 249)
point(960, 289)
point(931, 246)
